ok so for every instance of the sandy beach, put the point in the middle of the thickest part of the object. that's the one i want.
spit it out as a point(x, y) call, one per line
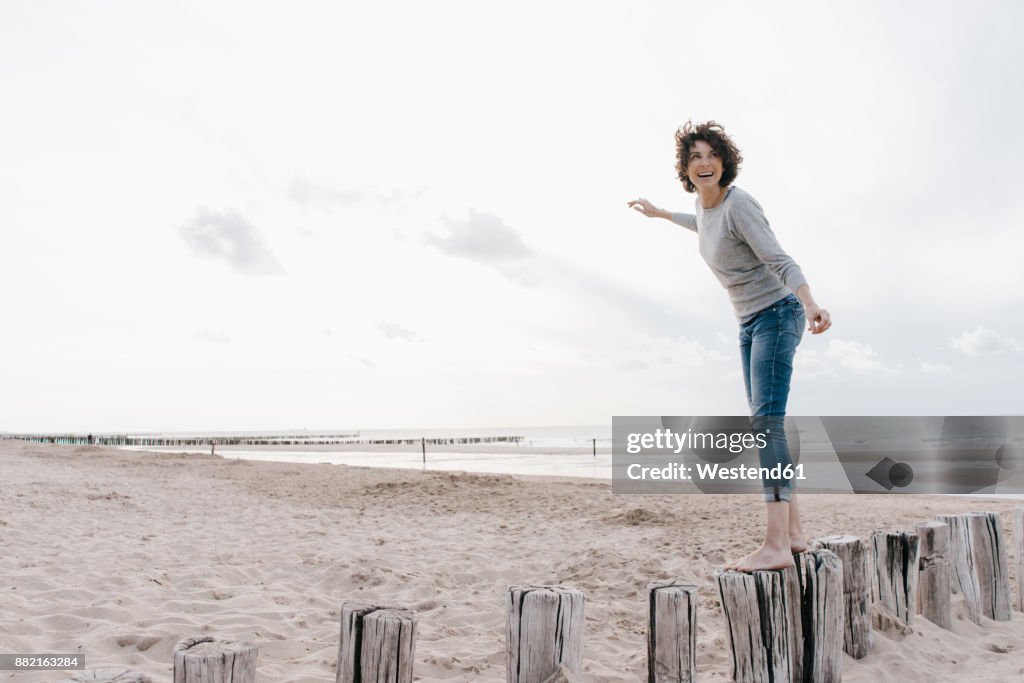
point(119, 555)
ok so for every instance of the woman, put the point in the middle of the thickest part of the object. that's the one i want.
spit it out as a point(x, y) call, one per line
point(736, 242)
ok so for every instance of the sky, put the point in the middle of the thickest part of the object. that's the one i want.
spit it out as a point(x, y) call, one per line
point(261, 216)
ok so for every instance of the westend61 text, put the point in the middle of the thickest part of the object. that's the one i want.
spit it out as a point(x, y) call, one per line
point(714, 472)
point(666, 439)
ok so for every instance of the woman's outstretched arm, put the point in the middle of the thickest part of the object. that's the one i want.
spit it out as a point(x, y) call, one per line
point(687, 220)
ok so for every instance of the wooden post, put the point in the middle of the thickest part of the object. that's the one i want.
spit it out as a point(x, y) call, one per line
point(545, 630)
point(988, 550)
point(934, 574)
point(423, 445)
point(853, 554)
point(109, 675)
point(671, 632)
point(895, 577)
point(794, 613)
point(821, 600)
point(963, 577)
point(210, 660)
point(1018, 535)
point(377, 644)
point(595, 447)
point(756, 615)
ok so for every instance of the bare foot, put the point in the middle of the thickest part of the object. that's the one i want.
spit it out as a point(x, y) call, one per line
point(762, 558)
point(797, 542)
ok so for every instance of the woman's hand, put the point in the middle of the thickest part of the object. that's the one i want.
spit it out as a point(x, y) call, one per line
point(646, 208)
point(818, 319)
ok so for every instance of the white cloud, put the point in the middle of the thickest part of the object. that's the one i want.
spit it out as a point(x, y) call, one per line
point(686, 352)
point(935, 368)
point(809, 364)
point(213, 337)
point(482, 237)
point(396, 331)
point(227, 236)
point(856, 356)
point(982, 341)
point(364, 361)
point(486, 238)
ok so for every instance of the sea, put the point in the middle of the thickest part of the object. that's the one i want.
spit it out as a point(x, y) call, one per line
point(582, 451)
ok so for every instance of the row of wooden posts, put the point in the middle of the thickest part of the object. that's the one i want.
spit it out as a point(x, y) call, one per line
point(785, 626)
point(794, 624)
point(292, 440)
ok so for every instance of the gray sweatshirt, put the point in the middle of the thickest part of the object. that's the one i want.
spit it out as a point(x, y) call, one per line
point(736, 242)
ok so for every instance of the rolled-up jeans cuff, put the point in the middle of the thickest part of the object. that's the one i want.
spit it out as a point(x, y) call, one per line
point(775, 494)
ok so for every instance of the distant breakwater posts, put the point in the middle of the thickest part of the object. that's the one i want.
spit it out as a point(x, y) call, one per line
point(263, 440)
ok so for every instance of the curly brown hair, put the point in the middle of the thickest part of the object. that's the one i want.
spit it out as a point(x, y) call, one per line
point(713, 134)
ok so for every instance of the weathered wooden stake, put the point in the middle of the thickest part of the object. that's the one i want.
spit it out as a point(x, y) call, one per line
point(794, 613)
point(109, 675)
point(933, 591)
point(377, 644)
point(963, 577)
point(672, 632)
point(895, 577)
point(821, 599)
point(853, 554)
point(545, 630)
point(209, 660)
point(757, 616)
point(988, 550)
point(1018, 535)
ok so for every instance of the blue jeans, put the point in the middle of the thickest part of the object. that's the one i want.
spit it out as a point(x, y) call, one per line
point(768, 342)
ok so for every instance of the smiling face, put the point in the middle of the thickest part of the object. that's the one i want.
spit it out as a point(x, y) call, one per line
point(706, 157)
point(704, 167)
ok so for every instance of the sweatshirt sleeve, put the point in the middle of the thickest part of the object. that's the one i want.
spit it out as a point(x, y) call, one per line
point(687, 220)
point(750, 224)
